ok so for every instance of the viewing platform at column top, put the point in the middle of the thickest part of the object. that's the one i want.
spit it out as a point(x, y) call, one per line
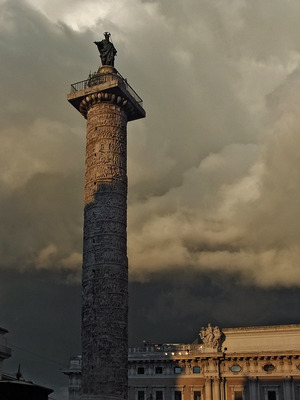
point(107, 79)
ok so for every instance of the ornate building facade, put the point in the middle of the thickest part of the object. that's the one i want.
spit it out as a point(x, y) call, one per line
point(251, 363)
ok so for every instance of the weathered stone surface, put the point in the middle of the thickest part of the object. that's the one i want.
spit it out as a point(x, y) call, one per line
point(105, 265)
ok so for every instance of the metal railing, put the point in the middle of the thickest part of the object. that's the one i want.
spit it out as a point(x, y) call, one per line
point(97, 79)
point(167, 348)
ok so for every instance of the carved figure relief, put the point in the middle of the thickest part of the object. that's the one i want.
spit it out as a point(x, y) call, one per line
point(211, 336)
point(105, 264)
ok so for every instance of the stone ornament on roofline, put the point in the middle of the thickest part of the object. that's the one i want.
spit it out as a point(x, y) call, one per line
point(211, 337)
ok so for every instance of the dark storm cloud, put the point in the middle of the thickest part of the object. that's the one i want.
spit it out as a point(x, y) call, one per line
point(173, 306)
point(37, 55)
point(229, 152)
point(41, 150)
point(38, 229)
point(201, 164)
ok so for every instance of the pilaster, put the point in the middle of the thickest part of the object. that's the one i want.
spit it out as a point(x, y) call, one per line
point(287, 387)
point(253, 388)
point(216, 388)
point(208, 389)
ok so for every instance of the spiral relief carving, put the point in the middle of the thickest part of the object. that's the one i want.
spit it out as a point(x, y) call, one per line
point(105, 264)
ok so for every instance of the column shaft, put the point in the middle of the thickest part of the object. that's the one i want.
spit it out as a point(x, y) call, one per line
point(208, 389)
point(287, 388)
point(216, 389)
point(253, 389)
point(105, 265)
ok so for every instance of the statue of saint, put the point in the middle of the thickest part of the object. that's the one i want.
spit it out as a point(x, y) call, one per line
point(107, 50)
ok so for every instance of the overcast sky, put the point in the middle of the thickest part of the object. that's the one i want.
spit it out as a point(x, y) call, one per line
point(213, 207)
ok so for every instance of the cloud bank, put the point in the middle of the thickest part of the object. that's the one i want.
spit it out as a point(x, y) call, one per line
point(213, 169)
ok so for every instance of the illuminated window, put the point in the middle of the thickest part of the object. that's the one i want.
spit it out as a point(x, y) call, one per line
point(196, 370)
point(197, 395)
point(158, 370)
point(177, 395)
point(177, 370)
point(141, 370)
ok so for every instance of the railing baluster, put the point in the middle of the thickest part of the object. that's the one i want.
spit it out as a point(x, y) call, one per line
point(96, 79)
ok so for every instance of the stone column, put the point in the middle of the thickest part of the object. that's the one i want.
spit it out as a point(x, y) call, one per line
point(104, 277)
point(287, 388)
point(208, 389)
point(107, 102)
point(253, 389)
point(223, 389)
point(216, 389)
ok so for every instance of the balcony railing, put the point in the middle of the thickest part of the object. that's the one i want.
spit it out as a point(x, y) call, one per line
point(170, 349)
point(97, 79)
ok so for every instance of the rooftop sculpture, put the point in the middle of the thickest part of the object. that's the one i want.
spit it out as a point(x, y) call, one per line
point(107, 50)
point(211, 336)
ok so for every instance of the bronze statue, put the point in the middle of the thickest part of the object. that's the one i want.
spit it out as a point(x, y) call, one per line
point(107, 50)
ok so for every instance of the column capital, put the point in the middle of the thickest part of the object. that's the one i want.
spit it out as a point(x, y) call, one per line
point(102, 97)
point(106, 85)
